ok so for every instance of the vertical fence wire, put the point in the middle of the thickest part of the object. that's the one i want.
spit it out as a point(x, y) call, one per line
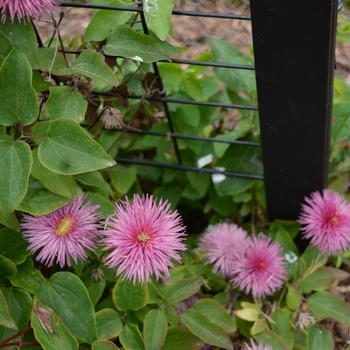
point(160, 85)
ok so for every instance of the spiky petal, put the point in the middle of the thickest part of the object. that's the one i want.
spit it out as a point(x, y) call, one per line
point(326, 220)
point(222, 243)
point(261, 269)
point(64, 235)
point(143, 237)
point(25, 9)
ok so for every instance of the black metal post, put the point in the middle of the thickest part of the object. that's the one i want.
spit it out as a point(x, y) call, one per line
point(294, 45)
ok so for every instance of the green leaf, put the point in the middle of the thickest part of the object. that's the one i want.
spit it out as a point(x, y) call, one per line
point(199, 182)
point(94, 287)
point(103, 345)
point(61, 185)
point(39, 83)
point(326, 305)
point(191, 86)
point(274, 340)
point(182, 289)
point(250, 314)
point(217, 314)
point(5, 317)
point(129, 296)
point(20, 305)
point(158, 16)
point(310, 261)
point(7, 267)
point(258, 327)
point(5, 47)
point(13, 246)
point(127, 43)
point(131, 338)
point(319, 339)
point(322, 279)
point(187, 115)
point(21, 35)
point(237, 80)
point(68, 149)
point(65, 103)
point(180, 338)
point(96, 181)
point(39, 201)
point(92, 65)
point(106, 206)
point(109, 325)
point(204, 329)
point(9, 220)
point(155, 329)
point(14, 176)
point(28, 277)
point(66, 294)
point(293, 298)
point(172, 76)
point(18, 100)
point(104, 21)
point(122, 178)
point(49, 330)
point(51, 61)
point(283, 326)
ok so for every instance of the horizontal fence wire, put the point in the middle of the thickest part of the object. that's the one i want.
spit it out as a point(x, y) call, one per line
point(140, 10)
point(180, 101)
point(185, 61)
point(186, 137)
point(172, 100)
point(181, 167)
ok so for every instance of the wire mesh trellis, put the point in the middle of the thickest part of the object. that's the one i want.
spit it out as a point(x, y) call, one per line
point(165, 100)
point(294, 62)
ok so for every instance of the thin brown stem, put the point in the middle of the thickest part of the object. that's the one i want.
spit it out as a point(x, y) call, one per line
point(7, 341)
point(19, 344)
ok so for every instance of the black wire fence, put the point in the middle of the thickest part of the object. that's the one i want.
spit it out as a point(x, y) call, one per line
point(294, 58)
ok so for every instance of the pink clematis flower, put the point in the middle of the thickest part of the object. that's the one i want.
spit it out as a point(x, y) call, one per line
point(326, 220)
point(64, 235)
point(261, 269)
point(142, 238)
point(25, 9)
point(222, 243)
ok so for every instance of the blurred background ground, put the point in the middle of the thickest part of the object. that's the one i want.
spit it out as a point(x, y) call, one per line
point(193, 32)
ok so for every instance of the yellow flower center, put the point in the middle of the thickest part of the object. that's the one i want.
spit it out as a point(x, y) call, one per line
point(64, 226)
point(143, 238)
point(334, 219)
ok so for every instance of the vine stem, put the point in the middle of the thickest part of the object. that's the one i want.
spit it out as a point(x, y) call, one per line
point(19, 343)
point(7, 341)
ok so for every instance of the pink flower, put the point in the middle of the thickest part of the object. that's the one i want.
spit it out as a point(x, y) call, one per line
point(254, 346)
point(143, 236)
point(261, 269)
point(25, 9)
point(63, 235)
point(221, 244)
point(326, 220)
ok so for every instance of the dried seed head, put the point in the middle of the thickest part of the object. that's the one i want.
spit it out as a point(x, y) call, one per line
point(112, 118)
point(304, 320)
point(97, 275)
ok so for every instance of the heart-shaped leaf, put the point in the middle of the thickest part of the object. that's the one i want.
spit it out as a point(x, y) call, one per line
point(18, 100)
point(15, 175)
point(67, 149)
